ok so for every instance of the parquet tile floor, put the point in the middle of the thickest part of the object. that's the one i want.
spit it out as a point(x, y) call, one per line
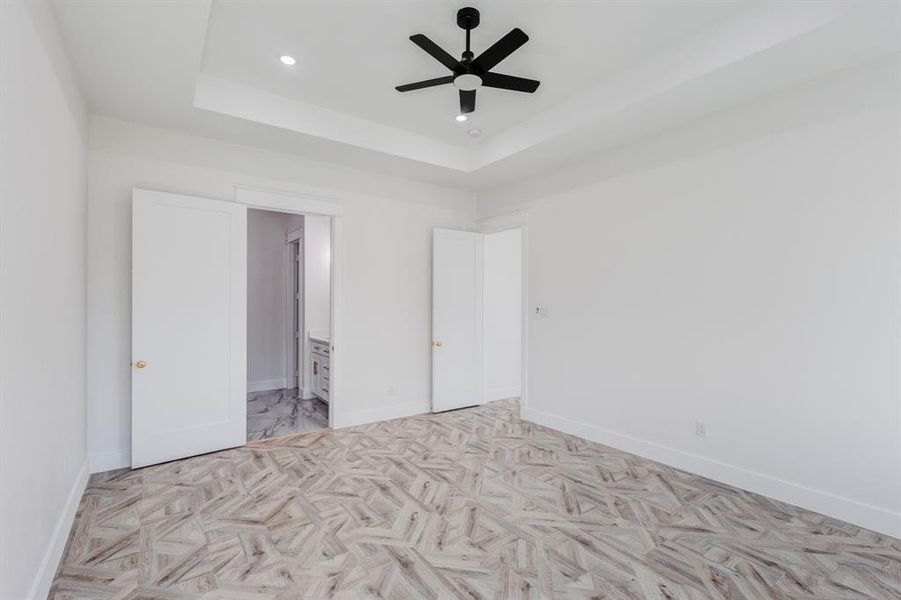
point(475, 503)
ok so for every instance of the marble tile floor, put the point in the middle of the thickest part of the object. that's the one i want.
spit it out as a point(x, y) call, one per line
point(474, 503)
point(275, 413)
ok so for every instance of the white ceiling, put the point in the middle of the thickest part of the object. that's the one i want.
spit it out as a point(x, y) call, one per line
point(352, 54)
point(610, 72)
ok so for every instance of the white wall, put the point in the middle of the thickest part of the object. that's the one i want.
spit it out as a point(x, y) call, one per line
point(42, 299)
point(386, 238)
point(753, 286)
point(267, 298)
point(503, 314)
point(317, 284)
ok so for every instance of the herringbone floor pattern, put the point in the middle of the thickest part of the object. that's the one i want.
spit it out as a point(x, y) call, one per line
point(469, 504)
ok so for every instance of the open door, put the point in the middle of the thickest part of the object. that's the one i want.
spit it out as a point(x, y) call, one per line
point(456, 319)
point(189, 336)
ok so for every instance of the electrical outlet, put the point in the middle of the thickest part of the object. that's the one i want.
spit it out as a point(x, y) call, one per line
point(542, 312)
point(390, 390)
point(700, 429)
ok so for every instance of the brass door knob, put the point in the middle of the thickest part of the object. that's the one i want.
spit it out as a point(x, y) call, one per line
point(140, 364)
point(438, 344)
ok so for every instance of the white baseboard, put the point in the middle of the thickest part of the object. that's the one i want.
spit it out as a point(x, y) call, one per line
point(107, 461)
point(396, 411)
point(861, 514)
point(501, 393)
point(40, 588)
point(264, 385)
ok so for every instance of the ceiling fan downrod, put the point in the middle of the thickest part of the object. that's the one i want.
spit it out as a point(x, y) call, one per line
point(468, 19)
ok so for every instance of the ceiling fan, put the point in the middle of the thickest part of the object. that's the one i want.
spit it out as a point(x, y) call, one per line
point(471, 72)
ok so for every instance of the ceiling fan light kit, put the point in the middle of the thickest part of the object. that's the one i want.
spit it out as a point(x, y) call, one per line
point(471, 72)
point(467, 81)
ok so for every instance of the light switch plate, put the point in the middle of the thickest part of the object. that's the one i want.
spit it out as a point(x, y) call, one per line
point(700, 429)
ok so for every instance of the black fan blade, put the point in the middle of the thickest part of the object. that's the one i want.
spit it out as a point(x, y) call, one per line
point(435, 50)
point(467, 101)
point(501, 49)
point(508, 82)
point(424, 84)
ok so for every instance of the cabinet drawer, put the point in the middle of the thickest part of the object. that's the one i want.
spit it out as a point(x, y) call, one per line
point(320, 348)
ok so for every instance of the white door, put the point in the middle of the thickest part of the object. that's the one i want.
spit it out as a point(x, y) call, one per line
point(189, 336)
point(456, 319)
point(294, 315)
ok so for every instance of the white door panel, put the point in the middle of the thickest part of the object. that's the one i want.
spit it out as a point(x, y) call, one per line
point(456, 319)
point(188, 326)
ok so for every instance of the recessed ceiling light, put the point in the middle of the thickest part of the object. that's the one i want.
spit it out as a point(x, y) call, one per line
point(461, 118)
point(288, 60)
point(475, 132)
